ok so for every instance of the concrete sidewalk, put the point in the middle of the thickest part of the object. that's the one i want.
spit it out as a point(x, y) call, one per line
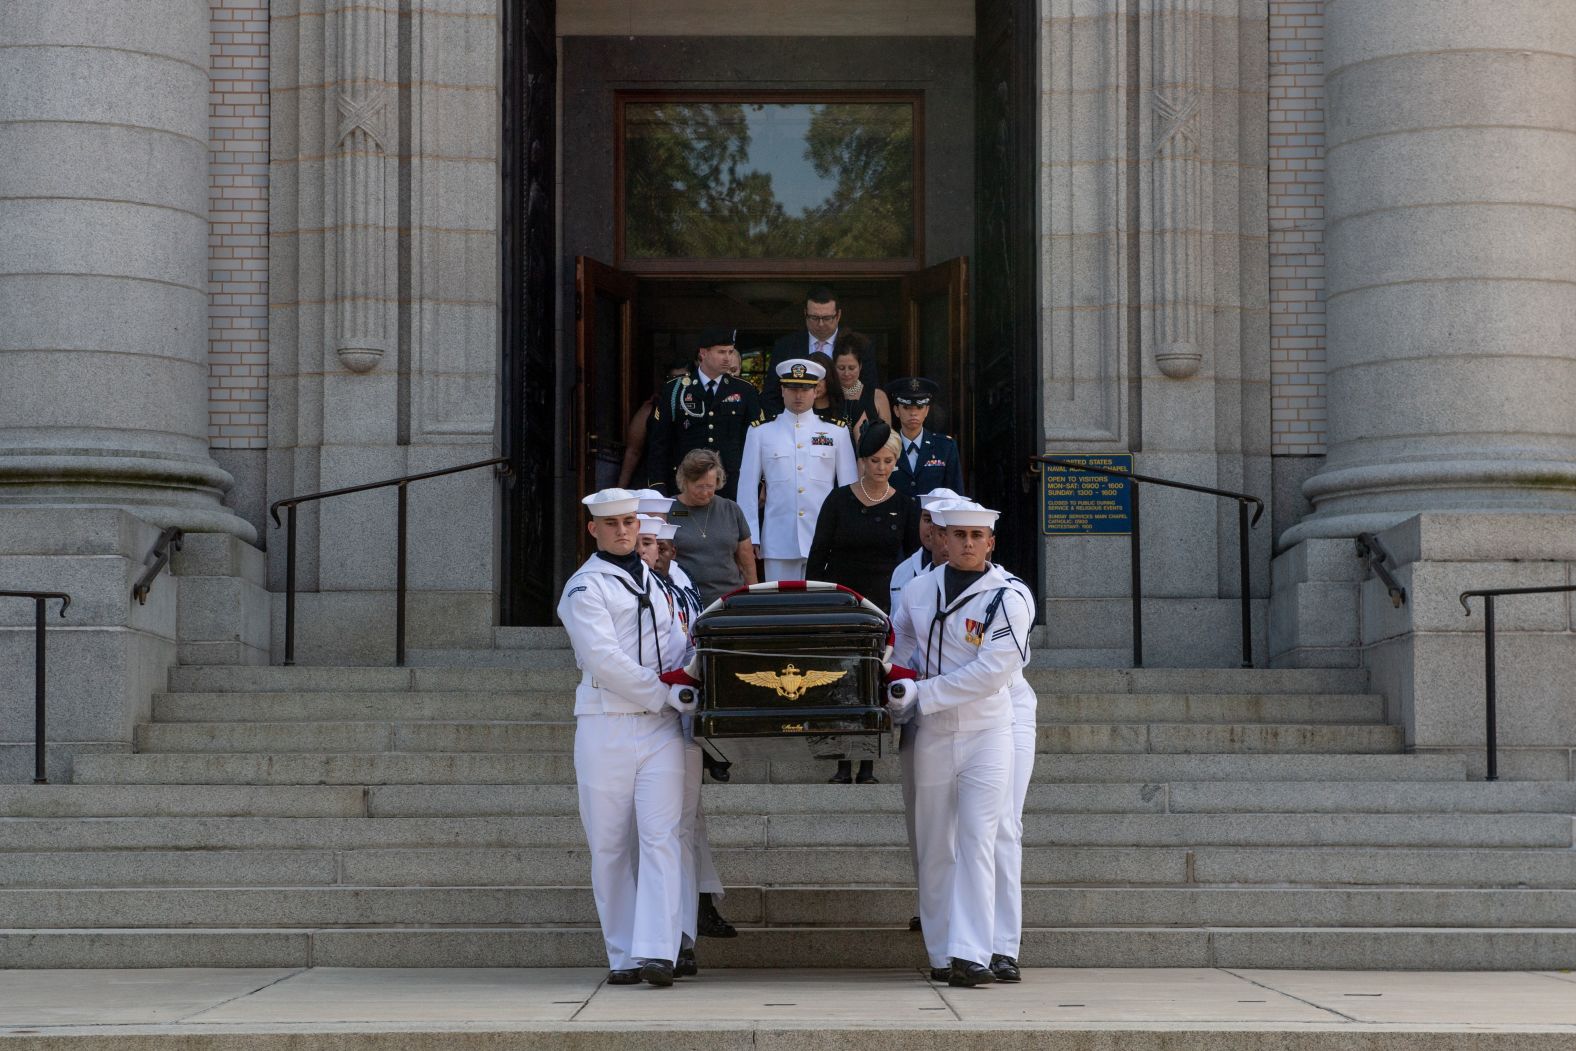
point(480, 1010)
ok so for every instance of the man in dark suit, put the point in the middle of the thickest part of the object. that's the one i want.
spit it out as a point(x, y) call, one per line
point(927, 460)
point(706, 408)
point(822, 320)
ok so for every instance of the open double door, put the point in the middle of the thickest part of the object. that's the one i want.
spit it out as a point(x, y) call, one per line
point(935, 325)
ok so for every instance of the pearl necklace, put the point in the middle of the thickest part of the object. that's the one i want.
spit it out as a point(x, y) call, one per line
point(853, 393)
point(886, 492)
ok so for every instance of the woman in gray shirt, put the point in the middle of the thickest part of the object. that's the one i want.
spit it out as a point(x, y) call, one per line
point(713, 540)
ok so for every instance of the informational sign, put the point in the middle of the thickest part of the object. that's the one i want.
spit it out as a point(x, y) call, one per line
point(1083, 503)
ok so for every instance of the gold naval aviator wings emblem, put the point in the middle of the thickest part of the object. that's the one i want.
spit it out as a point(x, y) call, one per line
point(790, 682)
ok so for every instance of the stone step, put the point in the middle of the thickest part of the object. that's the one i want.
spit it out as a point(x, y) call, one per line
point(832, 907)
point(548, 705)
point(558, 769)
point(1553, 868)
point(1378, 797)
point(789, 830)
point(536, 738)
point(1344, 948)
point(236, 678)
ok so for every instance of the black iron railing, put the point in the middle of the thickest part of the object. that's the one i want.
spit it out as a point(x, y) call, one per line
point(158, 558)
point(1374, 555)
point(1135, 544)
point(1488, 595)
point(40, 690)
point(500, 465)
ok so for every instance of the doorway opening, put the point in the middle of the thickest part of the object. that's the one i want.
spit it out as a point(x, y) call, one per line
point(643, 203)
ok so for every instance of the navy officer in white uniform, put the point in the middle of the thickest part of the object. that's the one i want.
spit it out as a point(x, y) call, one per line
point(630, 754)
point(802, 458)
point(968, 629)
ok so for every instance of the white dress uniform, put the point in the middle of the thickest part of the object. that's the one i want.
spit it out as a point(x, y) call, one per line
point(970, 648)
point(802, 458)
point(629, 757)
point(1009, 838)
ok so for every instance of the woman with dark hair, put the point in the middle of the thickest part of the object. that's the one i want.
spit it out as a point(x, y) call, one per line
point(863, 532)
point(857, 404)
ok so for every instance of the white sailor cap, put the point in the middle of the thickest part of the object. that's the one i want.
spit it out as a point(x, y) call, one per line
point(800, 372)
point(650, 525)
point(936, 496)
point(610, 503)
point(669, 531)
point(967, 513)
point(653, 502)
point(938, 511)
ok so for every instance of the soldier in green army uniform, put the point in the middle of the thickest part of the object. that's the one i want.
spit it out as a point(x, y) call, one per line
point(707, 408)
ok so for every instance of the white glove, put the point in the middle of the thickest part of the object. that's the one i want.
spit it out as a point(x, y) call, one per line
point(677, 695)
point(903, 700)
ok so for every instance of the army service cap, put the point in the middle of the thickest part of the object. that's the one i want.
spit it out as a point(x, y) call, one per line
point(800, 372)
point(717, 336)
point(611, 503)
point(912, 390)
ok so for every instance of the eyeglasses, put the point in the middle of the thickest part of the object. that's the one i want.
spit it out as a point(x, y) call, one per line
point(822, 317)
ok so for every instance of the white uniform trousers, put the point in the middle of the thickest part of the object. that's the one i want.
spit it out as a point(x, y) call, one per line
point(784, 568)
point(962, 781)
point(630, 774)
point(700, 871)
point(1009, 837)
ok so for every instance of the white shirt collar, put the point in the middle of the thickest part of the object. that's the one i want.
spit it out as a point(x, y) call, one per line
point(829, 341)
point(705, 379)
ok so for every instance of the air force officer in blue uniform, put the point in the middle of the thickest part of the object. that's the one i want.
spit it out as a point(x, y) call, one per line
point(928, 460)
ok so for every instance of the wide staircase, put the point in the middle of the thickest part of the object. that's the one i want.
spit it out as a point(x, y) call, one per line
point(425, 817)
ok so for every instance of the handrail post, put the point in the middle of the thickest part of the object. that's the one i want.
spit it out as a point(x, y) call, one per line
point(1242, 573)
point(1488, 683)
point(290, 583)
point(40, 776)
point(1135, 547)
point(399, 585)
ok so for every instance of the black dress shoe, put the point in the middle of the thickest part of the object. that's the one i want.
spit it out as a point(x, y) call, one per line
point(717, 768)
point(709, 922)
point(867, 774)
point(1005, 968)
point(624, 976)
point(844, 775)
point(660, 972)
point(940, 974)
point(964, 973)
point(913, 924)
point(686, 967)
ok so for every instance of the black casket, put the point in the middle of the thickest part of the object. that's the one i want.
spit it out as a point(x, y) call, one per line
point(793, 671)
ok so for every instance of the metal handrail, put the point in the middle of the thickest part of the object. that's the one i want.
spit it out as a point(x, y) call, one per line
point(1374, 555)
point(1488, 595)
point(157, 559)
point(290, 503)
point(40, 600)
point(1244, 524)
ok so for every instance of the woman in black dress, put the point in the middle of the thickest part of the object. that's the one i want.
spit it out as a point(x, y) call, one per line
point(864, 530)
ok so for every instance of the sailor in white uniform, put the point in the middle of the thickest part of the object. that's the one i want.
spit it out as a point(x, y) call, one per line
point(1009, 839)
point(969, 628)
point(932, 543)
point(802, 458)
point(707, 887)
point(629, 748)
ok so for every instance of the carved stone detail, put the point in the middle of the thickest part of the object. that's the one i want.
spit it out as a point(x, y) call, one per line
point(361, 189)
point(1178, 188)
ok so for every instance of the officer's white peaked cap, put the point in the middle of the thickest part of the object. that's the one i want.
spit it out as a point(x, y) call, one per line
point(936, 496)
point(802, 371)
point(609, 503)
point(650, 525)
point(653, 502)
point(967, 513)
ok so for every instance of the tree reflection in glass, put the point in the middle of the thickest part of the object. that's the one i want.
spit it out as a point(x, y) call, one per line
point(767, 180)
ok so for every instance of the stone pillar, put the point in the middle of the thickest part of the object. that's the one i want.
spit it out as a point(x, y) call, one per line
point(1452, 262)
point(103, 261)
